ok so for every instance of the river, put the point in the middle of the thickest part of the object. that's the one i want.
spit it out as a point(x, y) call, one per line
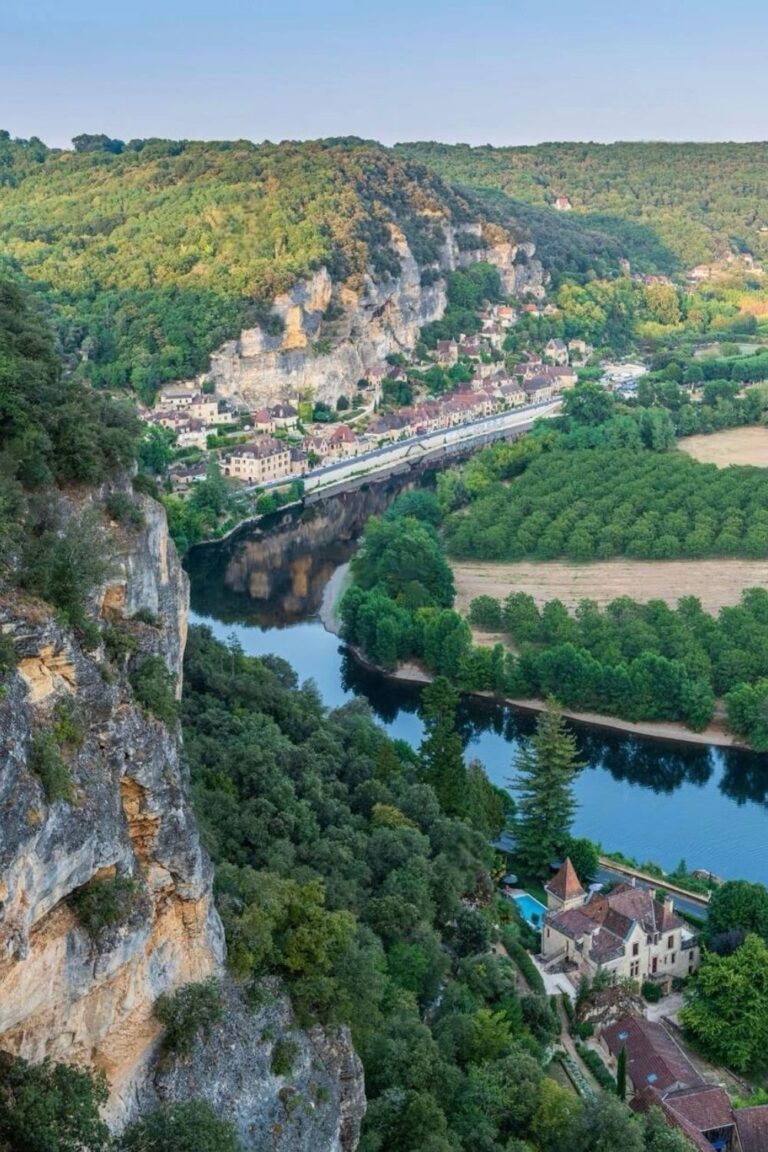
point(650, 799)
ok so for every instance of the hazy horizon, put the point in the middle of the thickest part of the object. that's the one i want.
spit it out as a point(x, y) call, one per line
point(495, 73)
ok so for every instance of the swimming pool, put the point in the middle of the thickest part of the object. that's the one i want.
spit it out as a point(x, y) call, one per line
point(531, 910)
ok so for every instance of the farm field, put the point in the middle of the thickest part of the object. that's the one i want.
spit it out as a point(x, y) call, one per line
point(733, 446)
point(715, 582)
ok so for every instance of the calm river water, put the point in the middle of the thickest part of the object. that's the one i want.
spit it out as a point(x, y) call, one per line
point(650, 799)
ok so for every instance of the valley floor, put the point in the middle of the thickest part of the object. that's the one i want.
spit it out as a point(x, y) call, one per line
point(733, 446)
point(715, 582)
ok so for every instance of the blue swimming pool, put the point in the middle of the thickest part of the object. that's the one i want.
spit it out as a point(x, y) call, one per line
point(532, 911)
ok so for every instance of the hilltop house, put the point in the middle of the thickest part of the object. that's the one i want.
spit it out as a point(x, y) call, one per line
point(563, 204)
point(627, 932)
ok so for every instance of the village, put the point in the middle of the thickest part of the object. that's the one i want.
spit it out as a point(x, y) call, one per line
point(290, 439)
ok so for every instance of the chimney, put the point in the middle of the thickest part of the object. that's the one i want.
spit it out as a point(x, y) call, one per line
point(669, 904)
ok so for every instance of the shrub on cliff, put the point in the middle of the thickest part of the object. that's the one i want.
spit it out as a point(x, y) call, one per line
point(153, 686)
point(192, 1011)
point(105, 904)
point(50, 1108)
point(189, 1127)
point(50, 767)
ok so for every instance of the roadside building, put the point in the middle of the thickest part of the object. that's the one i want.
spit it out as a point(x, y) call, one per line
point(537, 388)
point(256, 463)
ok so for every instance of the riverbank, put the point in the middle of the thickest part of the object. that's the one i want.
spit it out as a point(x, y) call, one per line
point(411, 673)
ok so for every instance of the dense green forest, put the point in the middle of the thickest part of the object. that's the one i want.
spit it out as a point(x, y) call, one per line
point(339, 868)
point(671, 206)
point(56, 435)
point(153, 252)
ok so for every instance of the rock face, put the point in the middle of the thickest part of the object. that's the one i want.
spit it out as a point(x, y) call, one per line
point(317, 1105)
point(327, 358)
point(62, 994)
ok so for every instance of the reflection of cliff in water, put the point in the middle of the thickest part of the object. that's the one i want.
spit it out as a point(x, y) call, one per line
point(274, 573)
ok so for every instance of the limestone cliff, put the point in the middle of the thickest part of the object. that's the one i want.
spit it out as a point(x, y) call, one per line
point(62, 994)
point(327, 357)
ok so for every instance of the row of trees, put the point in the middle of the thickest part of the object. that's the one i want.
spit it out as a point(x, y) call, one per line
point(640, 661)
point(594, 503)
point(629, 658)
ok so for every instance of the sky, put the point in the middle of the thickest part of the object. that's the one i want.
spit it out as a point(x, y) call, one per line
point(478, 71)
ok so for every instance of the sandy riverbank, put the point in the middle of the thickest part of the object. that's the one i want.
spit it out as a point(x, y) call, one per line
point(716, 734)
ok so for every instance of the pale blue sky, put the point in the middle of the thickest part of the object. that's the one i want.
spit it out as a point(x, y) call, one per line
point(489, 71)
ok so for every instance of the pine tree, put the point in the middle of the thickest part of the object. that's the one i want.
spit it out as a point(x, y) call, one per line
point(546, 767)
point(441, 752)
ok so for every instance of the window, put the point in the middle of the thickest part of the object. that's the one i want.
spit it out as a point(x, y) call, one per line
point(674, 954)
point(635, 949)
point(690, 954)
point(670, 942)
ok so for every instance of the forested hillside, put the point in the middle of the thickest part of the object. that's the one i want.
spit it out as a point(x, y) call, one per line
point(154, 252)
point(670, 205)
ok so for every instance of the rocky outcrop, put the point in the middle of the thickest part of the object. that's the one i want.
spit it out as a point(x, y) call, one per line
point(315, 1104)
point(326, 357)
point(124, 813)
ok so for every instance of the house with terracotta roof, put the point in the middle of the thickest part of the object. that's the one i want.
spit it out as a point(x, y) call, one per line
point(661, 1075)
point(626, 931)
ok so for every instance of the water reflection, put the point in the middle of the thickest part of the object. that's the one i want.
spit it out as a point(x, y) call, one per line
point(651, 799)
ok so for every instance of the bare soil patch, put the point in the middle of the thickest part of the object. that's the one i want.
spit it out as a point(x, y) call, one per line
point(715, 582)
point(734, 446)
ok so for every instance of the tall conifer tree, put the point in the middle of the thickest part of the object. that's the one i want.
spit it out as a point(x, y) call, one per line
point(441, 751)
point(546, 767)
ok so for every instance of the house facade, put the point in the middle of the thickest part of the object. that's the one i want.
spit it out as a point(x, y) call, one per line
point(268, 459)
point(626, 932)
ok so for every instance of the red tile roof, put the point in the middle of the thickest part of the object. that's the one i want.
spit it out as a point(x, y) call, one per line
point(653, 1056)
point(752, 1126)
point(565, 884)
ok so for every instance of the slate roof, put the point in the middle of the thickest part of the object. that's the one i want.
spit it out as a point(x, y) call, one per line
point(653, 1056)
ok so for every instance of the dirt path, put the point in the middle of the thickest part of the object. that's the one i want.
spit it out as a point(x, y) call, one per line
point(715, 582)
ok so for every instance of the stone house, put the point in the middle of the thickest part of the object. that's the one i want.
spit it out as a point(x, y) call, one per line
point(563, 204)
point(447, 353)
point(262, 421)
point(177, 397)
point(266, 459)
point(626, 932)
point(195, 435)
point(284, 416)
point(557, 351)
point(204, 408)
